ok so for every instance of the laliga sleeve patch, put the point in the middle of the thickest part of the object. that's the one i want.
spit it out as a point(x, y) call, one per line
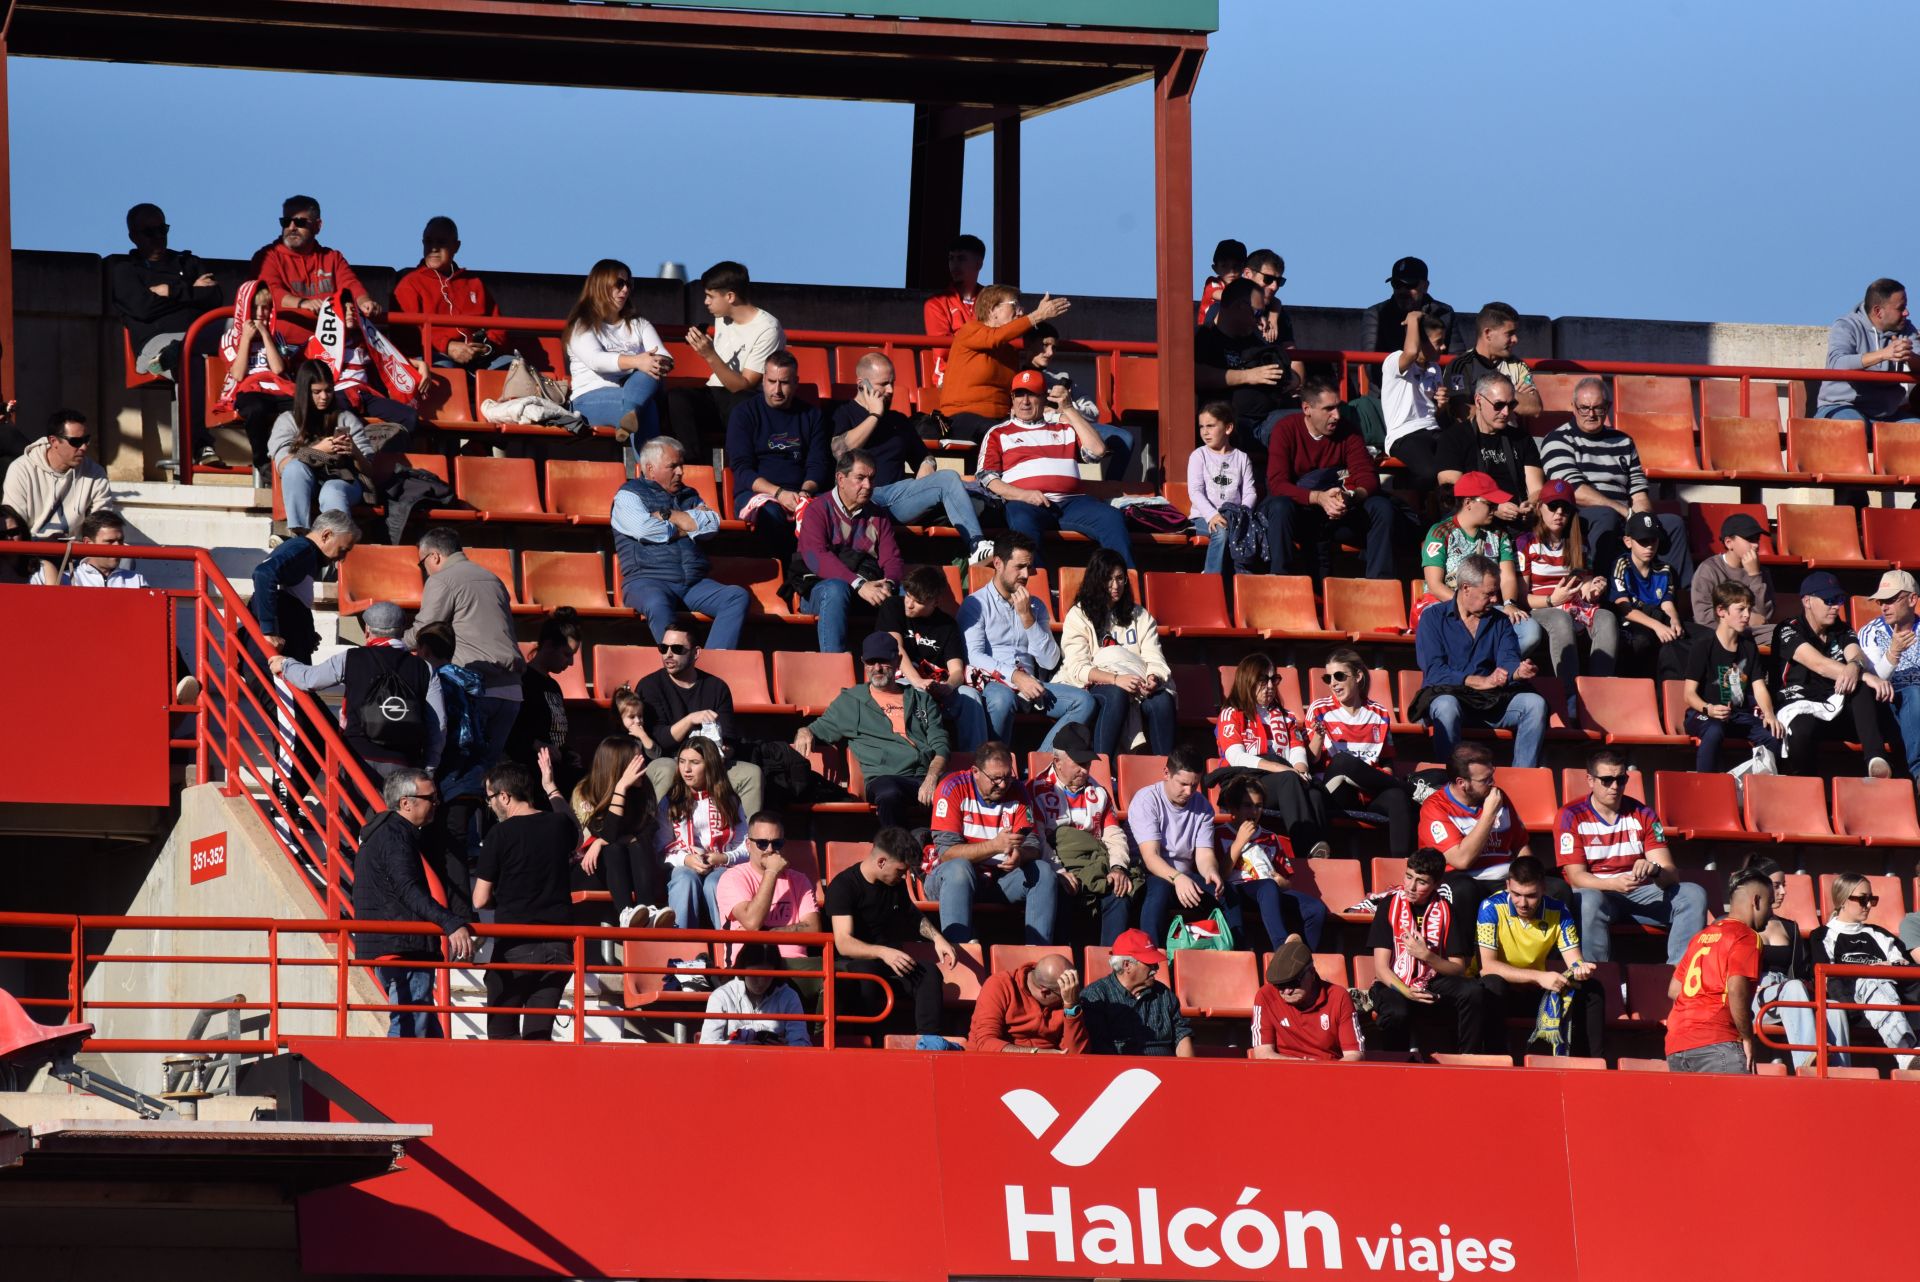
point(1439, 831)
point(1566, 843)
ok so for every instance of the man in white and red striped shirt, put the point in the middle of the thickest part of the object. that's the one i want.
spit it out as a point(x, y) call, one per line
point(984, 847)
point(1032, 463)
point(1471, 823)
point(1613, 851)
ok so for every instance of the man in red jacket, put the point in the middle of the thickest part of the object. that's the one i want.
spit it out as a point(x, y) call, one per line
point(1032, 1010)
point(439, 286)
point(1321, 482)
point(301, 272)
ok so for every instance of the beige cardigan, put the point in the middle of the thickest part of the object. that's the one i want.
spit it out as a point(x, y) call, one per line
point(1079, 646)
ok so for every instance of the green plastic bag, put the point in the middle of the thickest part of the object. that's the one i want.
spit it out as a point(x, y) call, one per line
point(1209, 934)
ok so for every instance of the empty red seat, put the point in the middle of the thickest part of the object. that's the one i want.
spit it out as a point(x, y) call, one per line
point(1820, 534)
point(1700, 807)
point(1565, 1063)
point(1800, 906)
point(745, 672)
point(810, 681)
point(1013, 956)
point(1892, 534)
point(1720, 397)
point(1334, 881)
point(1530, 790)
point(961, 985)
point(500, 489)
point(1647, 1000)
point(759, 575)
point(1193, 683)
point(578, 579)
point(1885, 914)
point(1220, 985)
point(1136, 387)
point(1188, 605)
point(1665, 442)
point(1624, 709)
point(1138, 770)
point(583, 489)
point(371, 572)
point(1386, 873)
point(621, 665)
point(1878, 811)
point(1832, 450)
point(842, 855)
point(1653, 394)
point(1896, 452)
point(1745, 448)
point(1367, 609)
point(1793, 809)
point(1279, 607)
point(814, 373)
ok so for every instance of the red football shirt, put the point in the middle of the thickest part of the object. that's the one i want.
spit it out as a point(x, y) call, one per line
point(1699, 1016)
point(1321, 1030)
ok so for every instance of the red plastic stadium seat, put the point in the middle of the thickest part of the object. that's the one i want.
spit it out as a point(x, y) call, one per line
point(745, 672)
point(1097, 964)
point(1136, 386)
point(1653, 394)
point(1793, 809)
point(650, 990)
point(1138, 770)
point(961, 985)
point(842, 855)
point(1279, 607)
point(621, 665)
point(703, 482)
point(1556, 391)
point(1189, 605)
point(573, 685)
point(1069, 578)
point(1013, 956)
point(1363, 972)
point(1720, 397)
point(1626, 1065)
point(1176, 493)
point(583, 489)
point(444, 399)
point(1892, 534)
point(1578, 1063)
point(1530, 790)
point(1700, 807)
point(213, 375)
point(814, 371)
point(1216, 984)
point(1335, 882)
point(1705, 519)
point(1647, 999)
point(1665, 442)
point(1624, 709)
point(578, 579)
point(1878, 811)
point(1820, 535)
point(1367, 609)
point(1193, 683)
point(1896, 451)
point(1887, 913)
point(1800, 906)
point(372, 573)
point(762, 577)
point(501, 489)
point(1833, 450)
point(1673, 706)
point(810, 681)
point(1387, 873)
point(1464, 1059)
point(1573, 785)
point(1745, 448)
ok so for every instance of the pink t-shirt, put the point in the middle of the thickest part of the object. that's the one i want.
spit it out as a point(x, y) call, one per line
point(792, 900)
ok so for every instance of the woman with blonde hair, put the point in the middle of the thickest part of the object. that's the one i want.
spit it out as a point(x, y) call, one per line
point(1850, 939)
point(615, 359)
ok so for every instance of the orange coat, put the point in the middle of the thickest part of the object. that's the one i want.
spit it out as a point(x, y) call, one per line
point(1005, 1014)
point(980, 369)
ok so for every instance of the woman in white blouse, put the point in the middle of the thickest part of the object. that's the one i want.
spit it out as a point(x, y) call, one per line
point(615, 359)
point(1110, 648)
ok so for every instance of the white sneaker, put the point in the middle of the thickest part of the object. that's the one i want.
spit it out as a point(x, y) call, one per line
point(663, 919)
point(1763, 762)
point(626, 914)
point(982, 552)
point(1879, 769)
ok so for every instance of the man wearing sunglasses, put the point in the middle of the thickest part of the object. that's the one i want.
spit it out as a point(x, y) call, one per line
point(768, 893)
point(56, 485)
point(303, 273)
point(1492, 440)
point(1613, 853)
point(1610, 487)
point(390, 884)
point(681, 702)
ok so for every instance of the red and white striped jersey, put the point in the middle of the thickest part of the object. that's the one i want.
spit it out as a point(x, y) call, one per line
point(1042, 456)
point(1445, 823)
point(959, 811)
point(1268, 731)
point(1607, 847)
point(1365, 731)
point(1266, 854)
point(1090, 809)
point(1542, 569)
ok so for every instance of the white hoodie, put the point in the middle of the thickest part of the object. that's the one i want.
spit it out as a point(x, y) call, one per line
point(54, 503)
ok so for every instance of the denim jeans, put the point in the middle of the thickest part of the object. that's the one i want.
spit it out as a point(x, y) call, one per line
point(1797, 1020)
point(1082, 513)
point(1710, 733)
point(1526, 716)
point(830, 599)
point(637, 394)
point(1527, 633)
point(968, 713)
point(300, 485)
point(1121, 443)
point(999, 702)
point(1162, 902)
point(1848, 411)
point(1110, 715)
point(960, 883)
point(1680, 907)
point(500, 361)
point(916, 496)
point(660, 600)
point(1273, 903)
point(1216, 545)
point(1720, 1057)
point(1293, 522)
point(1906, 715)
point(409, 986)
point(688, 890)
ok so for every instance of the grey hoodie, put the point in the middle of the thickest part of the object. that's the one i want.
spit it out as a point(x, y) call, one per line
point(1850, 338)
point(54, 503)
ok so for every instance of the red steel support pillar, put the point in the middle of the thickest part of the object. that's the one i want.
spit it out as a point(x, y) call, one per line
point(1006, 201)
point(1173, 280)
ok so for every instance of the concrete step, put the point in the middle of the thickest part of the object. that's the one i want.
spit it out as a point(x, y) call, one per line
point(231, 521)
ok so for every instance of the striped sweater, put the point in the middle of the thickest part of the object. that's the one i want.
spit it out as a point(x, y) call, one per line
point(1607, 460)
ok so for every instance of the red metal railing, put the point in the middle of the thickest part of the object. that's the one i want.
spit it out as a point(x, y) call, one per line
point(1821, 1004)
point(289, 1017)
point(250, 731)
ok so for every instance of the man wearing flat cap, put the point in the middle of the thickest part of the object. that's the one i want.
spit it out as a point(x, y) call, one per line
point(1740, 534)
point(1298, 1015)
point(1129, 1011)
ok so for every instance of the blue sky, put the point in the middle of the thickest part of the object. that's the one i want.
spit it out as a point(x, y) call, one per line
point(1625, 159)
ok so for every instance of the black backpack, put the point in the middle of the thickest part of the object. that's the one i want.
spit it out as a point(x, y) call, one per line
point(393, 715)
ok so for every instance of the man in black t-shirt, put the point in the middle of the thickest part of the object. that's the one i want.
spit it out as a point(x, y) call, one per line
point(934, 649)
point(905, 481)
point(679, 702)
point(1826, 688)
point(522, 876)
point(1422, 942)
point(1496, 329)
point(1231, 354)
point(873, 919)
point(1491, 441)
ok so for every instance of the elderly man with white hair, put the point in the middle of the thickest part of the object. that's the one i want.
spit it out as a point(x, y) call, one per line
point(905, 481)
point(659, 523)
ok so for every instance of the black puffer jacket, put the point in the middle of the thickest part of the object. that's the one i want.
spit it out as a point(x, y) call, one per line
point(390, 884)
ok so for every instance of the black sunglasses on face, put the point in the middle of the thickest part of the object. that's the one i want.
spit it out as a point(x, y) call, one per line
point(1610, 781)
point(304, 224)
point(768, 843)
point(1864, 900)
point(77, 442)
point(675, 649)
point(1499, 405)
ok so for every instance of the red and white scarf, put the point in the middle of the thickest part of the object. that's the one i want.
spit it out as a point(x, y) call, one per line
point(333, 343)
point(1433, 919)
point(238, 380)
point(683, 839)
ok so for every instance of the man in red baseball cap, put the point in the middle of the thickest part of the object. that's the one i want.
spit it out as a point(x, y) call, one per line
point(1031, 462)
point(1129, 1011)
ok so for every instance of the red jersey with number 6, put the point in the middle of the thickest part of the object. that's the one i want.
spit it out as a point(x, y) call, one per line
point(1699, 1016)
